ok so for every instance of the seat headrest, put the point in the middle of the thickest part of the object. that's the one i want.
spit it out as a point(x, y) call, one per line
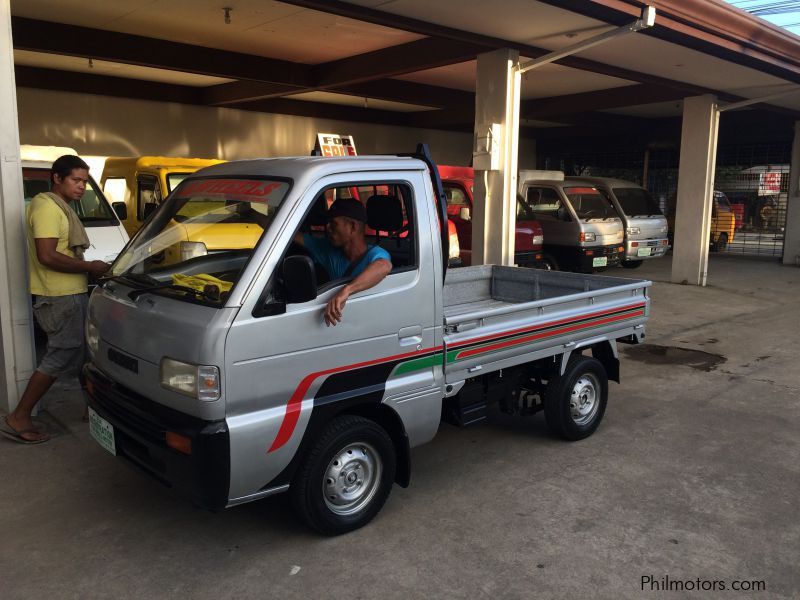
point(318, 216)
point(384, 213)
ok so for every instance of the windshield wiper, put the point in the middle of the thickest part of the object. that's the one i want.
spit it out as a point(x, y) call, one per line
point(134, 277)
point(133, 295)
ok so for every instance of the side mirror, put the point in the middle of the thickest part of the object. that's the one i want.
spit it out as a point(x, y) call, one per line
point(464, 213)
point(149, 209)
point(299, 279)
point(562, 214)
point(121, 209)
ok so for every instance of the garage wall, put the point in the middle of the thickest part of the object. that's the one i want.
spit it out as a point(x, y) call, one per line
point(106, 126)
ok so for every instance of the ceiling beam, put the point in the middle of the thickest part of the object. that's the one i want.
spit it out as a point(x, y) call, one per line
point(106, 85)
point(387, 19)
point(121, 87)
point(71, 40)
point(418, 55)
point(619, 97)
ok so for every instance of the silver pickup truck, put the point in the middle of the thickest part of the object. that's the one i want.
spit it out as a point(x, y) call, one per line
point(217, 376)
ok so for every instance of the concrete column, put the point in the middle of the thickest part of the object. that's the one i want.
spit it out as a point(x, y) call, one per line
point(695, 190)
point(791, 236)
point(16, 333)
point(497, 94)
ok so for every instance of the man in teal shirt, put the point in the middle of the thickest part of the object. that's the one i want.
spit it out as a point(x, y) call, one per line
point(346, 253)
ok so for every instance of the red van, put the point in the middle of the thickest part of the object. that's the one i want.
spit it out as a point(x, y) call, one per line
point(457, 184)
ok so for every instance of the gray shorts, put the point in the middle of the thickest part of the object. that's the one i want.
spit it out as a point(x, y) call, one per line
point(63, 319)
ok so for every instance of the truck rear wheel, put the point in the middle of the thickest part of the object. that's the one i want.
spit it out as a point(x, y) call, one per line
point(549, 263)
point(345, 477)
point(631, 264)
point(575, 402)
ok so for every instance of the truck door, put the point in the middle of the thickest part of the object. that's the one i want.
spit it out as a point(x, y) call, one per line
point(287, 374)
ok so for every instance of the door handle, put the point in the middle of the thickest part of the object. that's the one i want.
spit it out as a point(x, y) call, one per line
point(410, 335)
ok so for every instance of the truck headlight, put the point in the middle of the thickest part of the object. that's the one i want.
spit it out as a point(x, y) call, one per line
point(92, 337)
point(538, 240)
point(192, 249)
point(588, 237)
point(197, 381)
point(634, 230)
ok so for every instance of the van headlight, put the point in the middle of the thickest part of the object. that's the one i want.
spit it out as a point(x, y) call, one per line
point(634, 230)
point(192, 249)
point(197, 381)
point(92, 337)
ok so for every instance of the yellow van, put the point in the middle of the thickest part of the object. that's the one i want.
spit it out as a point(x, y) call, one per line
point(723, 221)
point(137, 186)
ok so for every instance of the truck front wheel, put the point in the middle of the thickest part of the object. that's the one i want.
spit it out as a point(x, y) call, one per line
point(575, 402)
point(346, 476)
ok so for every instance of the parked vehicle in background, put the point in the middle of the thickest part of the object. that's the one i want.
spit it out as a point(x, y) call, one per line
point(106, 234)
point(645, 225)
point(239, 390)
point(582, 230)
point(457, 183)
point(138, 185)
point(723, 221)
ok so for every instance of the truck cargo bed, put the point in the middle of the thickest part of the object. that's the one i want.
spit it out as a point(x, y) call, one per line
point(498, 316)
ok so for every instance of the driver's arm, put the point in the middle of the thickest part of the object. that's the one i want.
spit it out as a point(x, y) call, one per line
point(369, 277)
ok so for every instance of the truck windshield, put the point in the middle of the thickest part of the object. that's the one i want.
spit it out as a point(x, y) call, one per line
point(93, 208)
point(636, 202)
point(201, 237)
point(589, 203)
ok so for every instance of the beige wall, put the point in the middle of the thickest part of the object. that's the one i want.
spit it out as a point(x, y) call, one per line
point(102, 125)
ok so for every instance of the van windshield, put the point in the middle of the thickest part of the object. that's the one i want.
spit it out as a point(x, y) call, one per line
point(589, 203)
point(93, 208)
point(637, 202)
point(199, 240)
point(174, 180)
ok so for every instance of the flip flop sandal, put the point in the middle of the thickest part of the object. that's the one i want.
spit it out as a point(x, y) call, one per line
point(12, 434)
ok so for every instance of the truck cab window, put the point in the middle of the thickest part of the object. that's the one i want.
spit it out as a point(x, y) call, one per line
point(545, 204)
point(148, 193)
point(390, 222)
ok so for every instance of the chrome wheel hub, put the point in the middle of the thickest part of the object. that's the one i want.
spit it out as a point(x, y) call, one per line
point(584, 399)
point(352, 478)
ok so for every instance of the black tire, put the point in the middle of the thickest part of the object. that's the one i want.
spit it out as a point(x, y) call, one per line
point(549, 263)
point(631, 264)
point(322, 492)
point(587, 378)
point(722, 243)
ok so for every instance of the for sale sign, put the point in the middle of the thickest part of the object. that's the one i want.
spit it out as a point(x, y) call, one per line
point(770, 184)
point(333, 144)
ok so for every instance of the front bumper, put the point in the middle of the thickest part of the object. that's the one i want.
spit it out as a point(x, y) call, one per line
point(645, 249)
point(591, 257)
point(140, 432)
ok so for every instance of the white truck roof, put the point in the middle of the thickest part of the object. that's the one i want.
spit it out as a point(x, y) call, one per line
point(43, 154)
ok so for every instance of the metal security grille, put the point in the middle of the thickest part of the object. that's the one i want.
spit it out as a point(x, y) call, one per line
point(751, 188)
point(753, 181)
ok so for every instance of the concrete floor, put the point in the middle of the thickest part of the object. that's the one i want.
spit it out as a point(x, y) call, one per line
point(694, 473)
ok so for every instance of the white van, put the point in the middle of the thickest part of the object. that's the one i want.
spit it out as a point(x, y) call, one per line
point(106, 234)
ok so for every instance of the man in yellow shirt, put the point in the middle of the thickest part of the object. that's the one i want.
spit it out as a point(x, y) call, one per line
point(58, 280)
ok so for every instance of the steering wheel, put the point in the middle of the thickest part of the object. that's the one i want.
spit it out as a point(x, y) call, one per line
point(321, 272)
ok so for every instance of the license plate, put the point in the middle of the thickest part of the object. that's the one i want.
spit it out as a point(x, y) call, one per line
point(102, 431)
point(644, 251)
point(600, 261)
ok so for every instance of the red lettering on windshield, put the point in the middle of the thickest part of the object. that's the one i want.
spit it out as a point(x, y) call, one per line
point(232, 189)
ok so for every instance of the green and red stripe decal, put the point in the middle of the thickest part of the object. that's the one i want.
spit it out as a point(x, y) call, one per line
point(430, 357)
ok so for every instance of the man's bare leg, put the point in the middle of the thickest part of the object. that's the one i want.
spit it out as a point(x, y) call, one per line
point(20, 418)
